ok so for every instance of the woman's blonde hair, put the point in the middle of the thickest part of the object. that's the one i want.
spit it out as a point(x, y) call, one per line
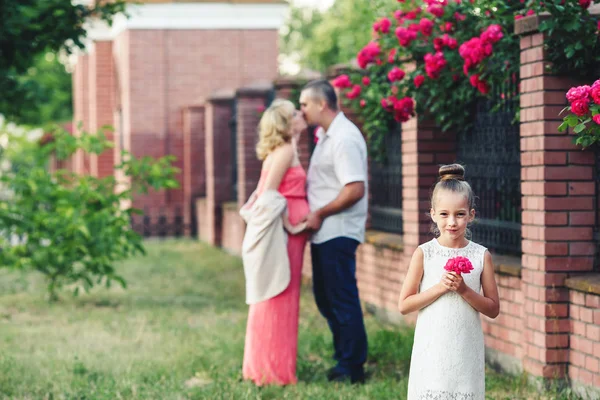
point(275, 127)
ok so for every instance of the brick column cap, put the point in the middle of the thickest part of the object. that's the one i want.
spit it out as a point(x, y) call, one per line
point(196, 106)
point(255, 89)
point(588, 283)
point(303, 76)
point(342, 68)
point(222, 95)
point(531, 24)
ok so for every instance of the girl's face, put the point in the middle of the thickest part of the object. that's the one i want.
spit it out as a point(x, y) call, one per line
point(298, 124)
point(451, 214)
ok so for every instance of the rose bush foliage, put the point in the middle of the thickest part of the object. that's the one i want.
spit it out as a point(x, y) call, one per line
point(435, 58)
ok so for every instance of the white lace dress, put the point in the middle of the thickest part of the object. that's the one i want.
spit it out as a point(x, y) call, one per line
point(448, 353)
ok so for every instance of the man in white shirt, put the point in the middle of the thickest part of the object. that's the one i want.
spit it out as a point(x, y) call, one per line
point(337, 194)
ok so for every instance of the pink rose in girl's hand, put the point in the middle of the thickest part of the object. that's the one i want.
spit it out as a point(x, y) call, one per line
point(460, 265)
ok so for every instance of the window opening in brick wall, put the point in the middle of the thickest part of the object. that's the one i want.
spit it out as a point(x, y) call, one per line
point(386, 186)
point(490, 151)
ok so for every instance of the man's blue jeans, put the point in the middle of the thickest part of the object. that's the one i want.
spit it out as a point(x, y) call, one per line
point(336, 295)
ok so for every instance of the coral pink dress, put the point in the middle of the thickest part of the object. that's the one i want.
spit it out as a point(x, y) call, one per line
point(272, 332)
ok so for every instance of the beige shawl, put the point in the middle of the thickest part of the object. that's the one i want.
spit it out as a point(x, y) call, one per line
point(264, 249)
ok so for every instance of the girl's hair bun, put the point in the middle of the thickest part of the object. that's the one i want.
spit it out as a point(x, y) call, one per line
point(452, 171)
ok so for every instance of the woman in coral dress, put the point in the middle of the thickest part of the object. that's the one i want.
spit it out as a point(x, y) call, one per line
point(272, 331)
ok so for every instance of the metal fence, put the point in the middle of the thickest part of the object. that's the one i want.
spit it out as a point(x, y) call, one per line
point(386, 186)
point(490, 151)
point(162, 223)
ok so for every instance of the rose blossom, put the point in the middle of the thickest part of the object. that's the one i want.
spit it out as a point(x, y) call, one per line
point(405, 36)
point(354, 93)
point(460, 265)
point(396, 74)
point(419, 80)
point(595, 93)
point(578, 93)
point(342, 81)
point(585, 3)
point(596, 119)
point(426, 26)
point(580, 107)
point(368, 54)
point(366, 80)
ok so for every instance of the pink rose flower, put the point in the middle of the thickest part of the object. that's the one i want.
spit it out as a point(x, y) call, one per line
point(354, 93)
point(363, 103)
point(595, 93)
point(366, 80)
point(426, 26)
point(580, 107)
point(342, 82)
point(585, 3)
point(419, 80)
point(460, 265)
point(396, 74)
point(578, 93)
point(596, 119)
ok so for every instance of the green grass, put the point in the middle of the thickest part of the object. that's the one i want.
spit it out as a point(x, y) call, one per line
point(177, 332)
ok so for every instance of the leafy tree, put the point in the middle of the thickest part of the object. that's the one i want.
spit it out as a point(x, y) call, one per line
point(50, 91)
point(30, 29)
point(334, 36)
point(70, 228)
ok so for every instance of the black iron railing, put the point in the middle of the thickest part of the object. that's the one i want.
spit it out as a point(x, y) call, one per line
point(490, 151)
point(386, 187)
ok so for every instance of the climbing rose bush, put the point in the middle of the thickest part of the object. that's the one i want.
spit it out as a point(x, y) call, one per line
point(435, 58)
point(583, 113)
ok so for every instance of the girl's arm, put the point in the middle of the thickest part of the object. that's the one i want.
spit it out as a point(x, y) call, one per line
point(488, 303)
point(410, 298)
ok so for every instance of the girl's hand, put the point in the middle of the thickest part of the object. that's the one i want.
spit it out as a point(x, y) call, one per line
point(454, 282)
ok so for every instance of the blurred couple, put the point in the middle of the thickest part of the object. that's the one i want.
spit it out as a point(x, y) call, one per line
point(326, 205)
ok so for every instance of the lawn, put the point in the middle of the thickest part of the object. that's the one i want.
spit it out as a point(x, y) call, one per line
point(177, 332)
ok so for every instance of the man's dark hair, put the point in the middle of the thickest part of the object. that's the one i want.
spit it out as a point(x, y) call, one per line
point(323, 90)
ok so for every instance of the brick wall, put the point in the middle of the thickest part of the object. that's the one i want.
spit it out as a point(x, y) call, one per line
point(233, 228)
point(558, 212)
point(249, 100)
point(194, 178)
point(584, 354)
point(219, 162)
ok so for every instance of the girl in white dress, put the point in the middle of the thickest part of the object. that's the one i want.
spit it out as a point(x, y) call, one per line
point(448, 353)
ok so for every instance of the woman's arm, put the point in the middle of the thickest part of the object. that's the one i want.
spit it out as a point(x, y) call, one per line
point(488, 303)
point(410, 298)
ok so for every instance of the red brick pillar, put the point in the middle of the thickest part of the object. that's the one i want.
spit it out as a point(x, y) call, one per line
point(250, 100)
point(558, 210)
point(424, 149)
point(81, 98)
point(219, 161)
point(194, 164)
point(101, 104)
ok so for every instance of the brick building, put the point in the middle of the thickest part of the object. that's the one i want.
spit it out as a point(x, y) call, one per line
point(148, 77)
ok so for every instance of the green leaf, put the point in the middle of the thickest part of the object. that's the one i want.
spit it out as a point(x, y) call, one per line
point(563, 127)
point(571, 120)
point(579, 128)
